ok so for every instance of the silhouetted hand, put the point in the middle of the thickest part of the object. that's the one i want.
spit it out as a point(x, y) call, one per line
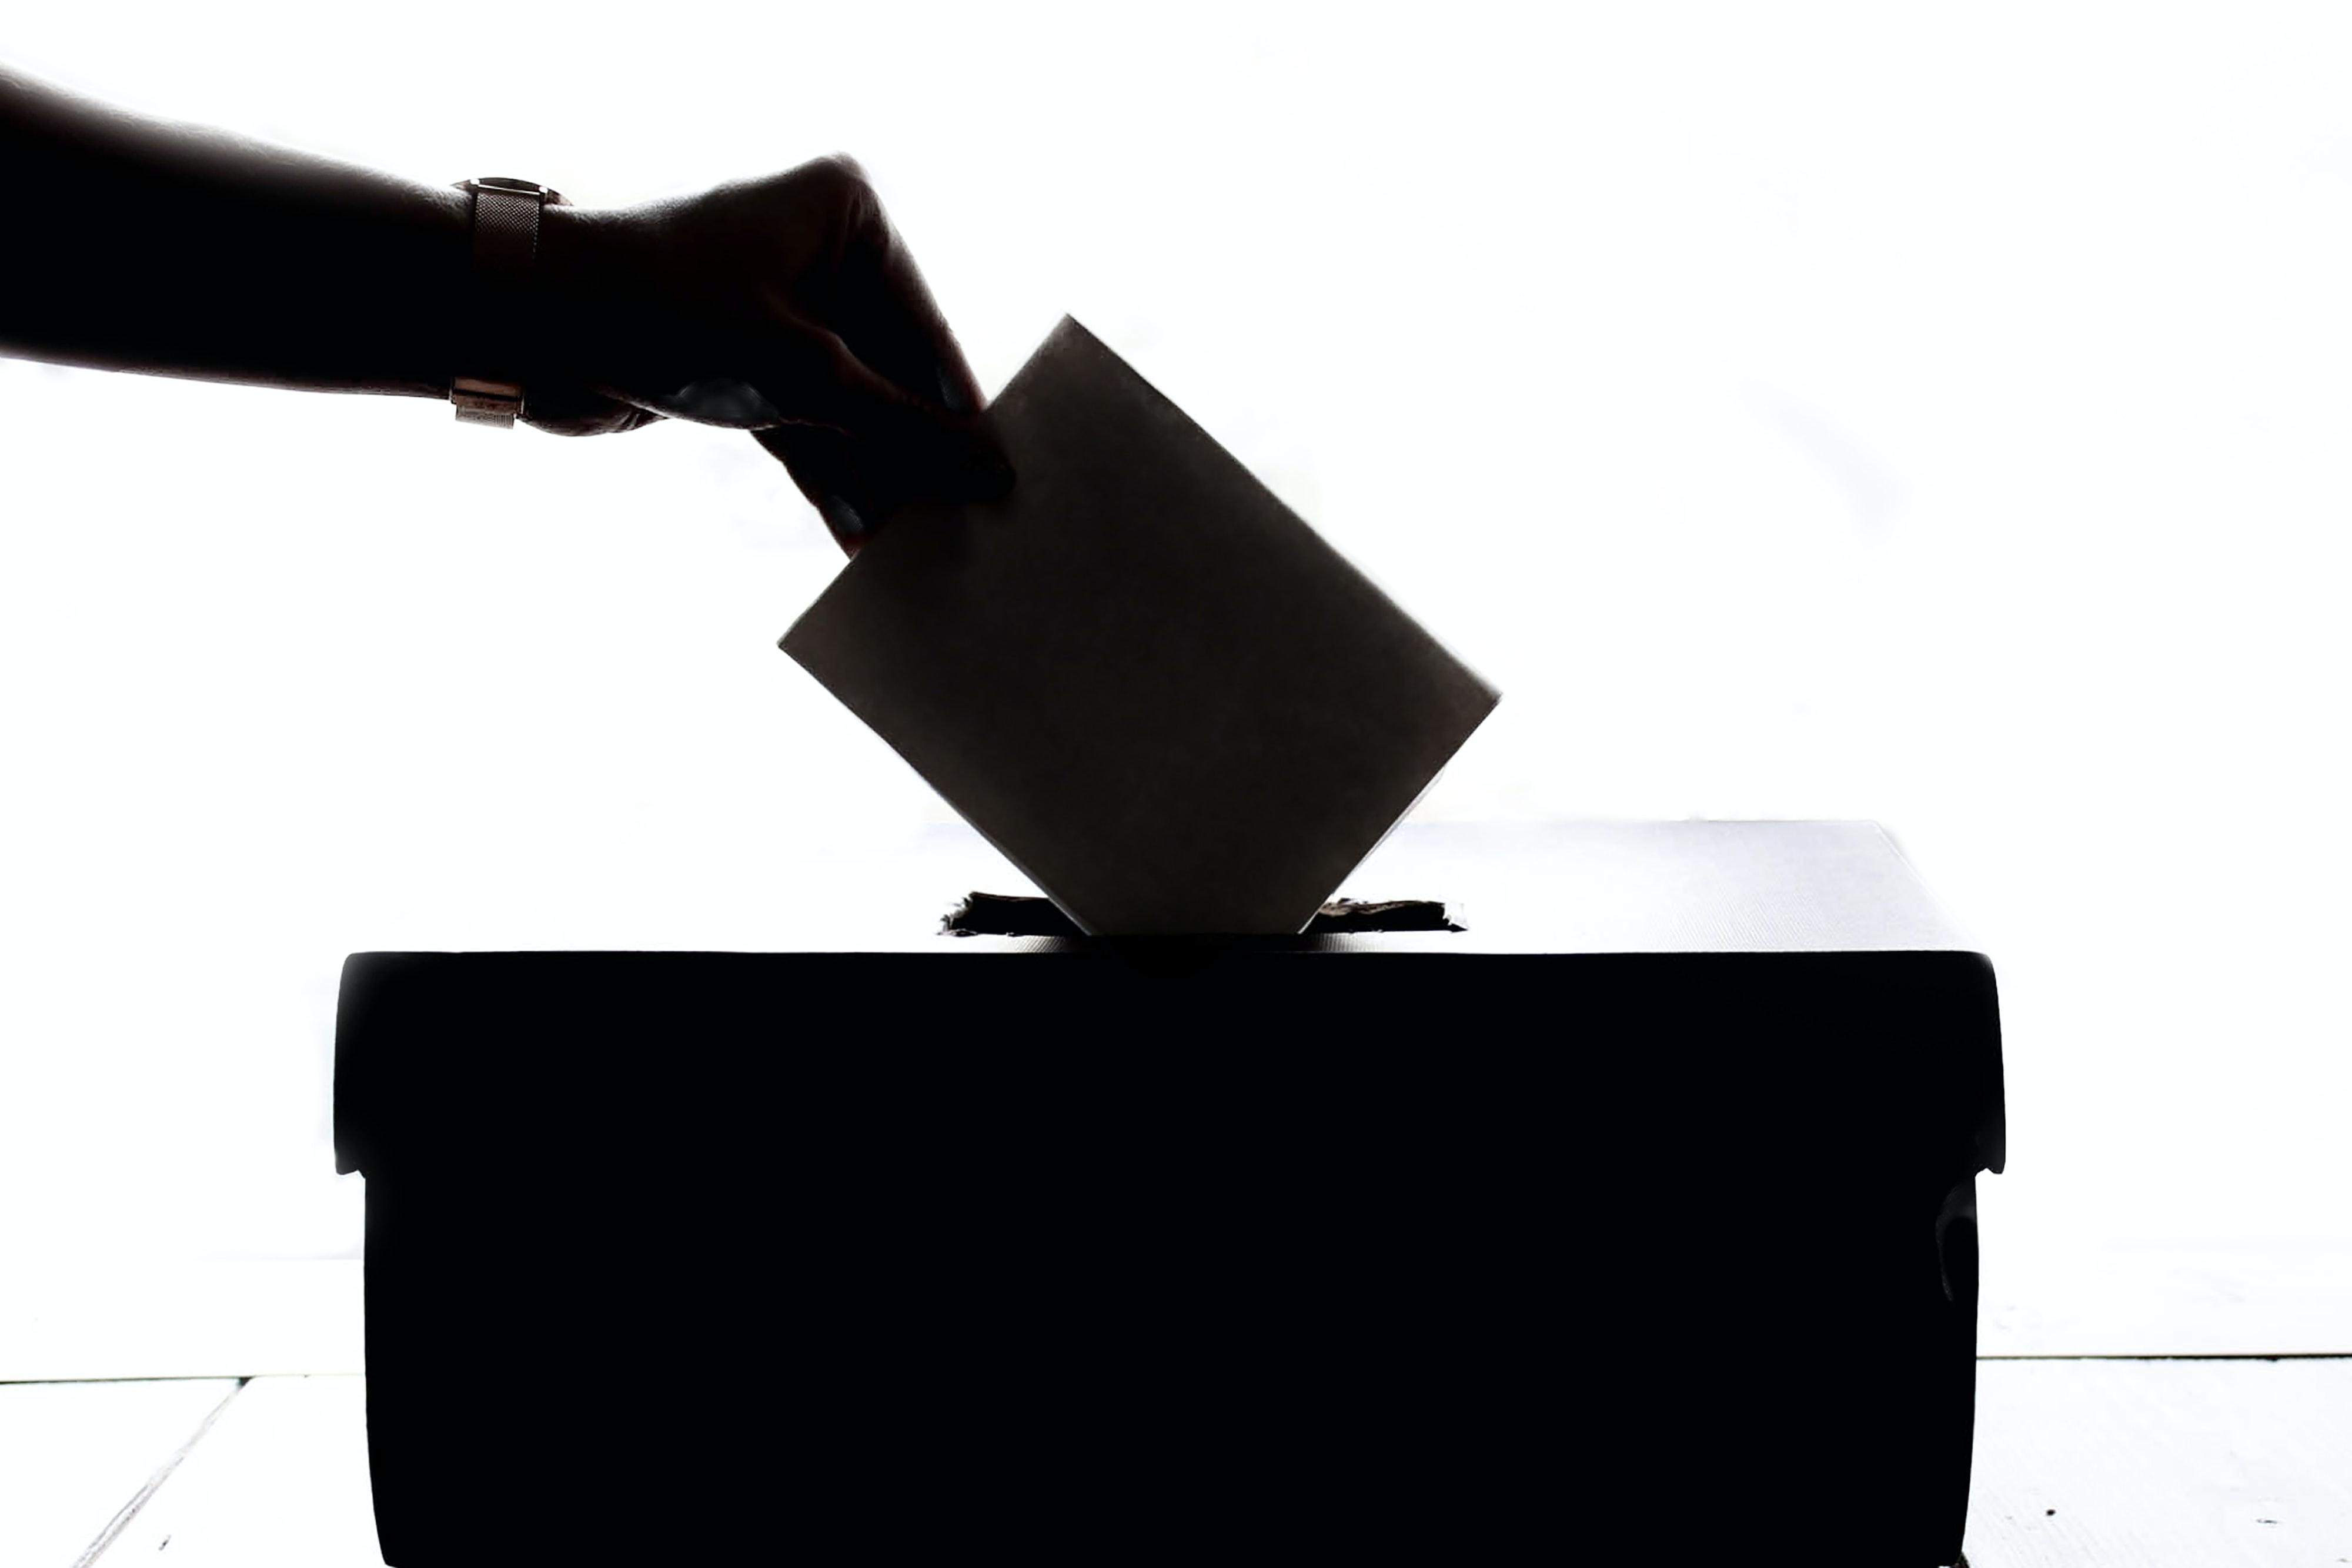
point(787, 306)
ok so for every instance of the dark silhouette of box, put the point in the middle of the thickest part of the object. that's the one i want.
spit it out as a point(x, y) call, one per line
point(1413, 1248)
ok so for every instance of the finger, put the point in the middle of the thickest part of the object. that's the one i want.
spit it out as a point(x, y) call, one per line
point(714, 400)
point(914, 442)
point(577, 411)
point(891, 319)
point(823, 466)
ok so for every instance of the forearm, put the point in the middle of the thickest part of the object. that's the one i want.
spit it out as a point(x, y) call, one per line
point(142, 245)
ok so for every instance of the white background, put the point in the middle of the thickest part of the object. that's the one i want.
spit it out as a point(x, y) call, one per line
point(1938, 414)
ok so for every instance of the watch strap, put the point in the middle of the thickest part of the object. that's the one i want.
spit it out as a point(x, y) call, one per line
point(497, 316)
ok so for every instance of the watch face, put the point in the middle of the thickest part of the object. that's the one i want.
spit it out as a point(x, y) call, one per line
point(518, 187)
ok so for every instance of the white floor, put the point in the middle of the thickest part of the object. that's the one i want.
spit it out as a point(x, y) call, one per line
point(73, 1456)
point(216, 1412)
point(2160, 1464)
point(2198, 1464)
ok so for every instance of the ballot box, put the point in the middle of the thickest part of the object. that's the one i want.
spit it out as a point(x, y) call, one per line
point(1644, 1200)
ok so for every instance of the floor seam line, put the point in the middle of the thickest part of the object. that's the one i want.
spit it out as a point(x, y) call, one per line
point(2186, 1355)
point(130, 1510)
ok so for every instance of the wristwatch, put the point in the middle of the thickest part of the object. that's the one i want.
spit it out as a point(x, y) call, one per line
point(496, 315)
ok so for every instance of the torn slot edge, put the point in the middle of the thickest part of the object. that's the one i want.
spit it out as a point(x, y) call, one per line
point(1012, 914)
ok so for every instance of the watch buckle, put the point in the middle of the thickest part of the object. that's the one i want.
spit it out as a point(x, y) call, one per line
point(486, 403)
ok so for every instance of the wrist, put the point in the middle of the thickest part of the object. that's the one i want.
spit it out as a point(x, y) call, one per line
point(421, 341)
point(585, 268)
point(560, 289)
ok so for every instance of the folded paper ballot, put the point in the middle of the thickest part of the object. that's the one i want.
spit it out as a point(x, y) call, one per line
point(1141, 675)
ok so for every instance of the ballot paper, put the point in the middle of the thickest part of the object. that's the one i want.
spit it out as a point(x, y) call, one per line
point(1140, 675)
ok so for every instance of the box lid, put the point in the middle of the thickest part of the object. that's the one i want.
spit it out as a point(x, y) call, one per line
point(1808, 954)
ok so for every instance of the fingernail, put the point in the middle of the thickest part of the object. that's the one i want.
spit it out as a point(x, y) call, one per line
point(841, 516)
point(721, 400)
point(952, 395)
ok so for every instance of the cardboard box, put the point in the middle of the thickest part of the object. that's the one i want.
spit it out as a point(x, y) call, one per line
point(1472, 1245)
